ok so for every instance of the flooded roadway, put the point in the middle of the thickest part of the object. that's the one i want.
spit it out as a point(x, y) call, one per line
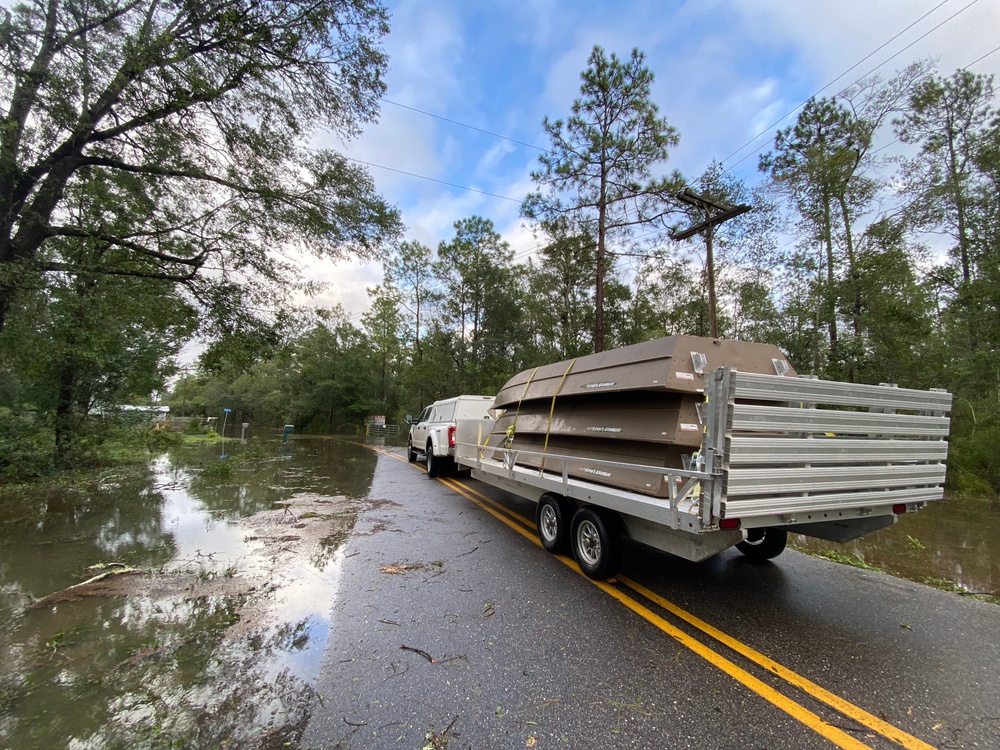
point(160, 667)
point(218, 637)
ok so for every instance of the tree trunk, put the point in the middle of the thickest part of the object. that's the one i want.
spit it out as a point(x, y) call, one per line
point(65, 429)
point(831, 304)
point(599, 287)
point(852, 274)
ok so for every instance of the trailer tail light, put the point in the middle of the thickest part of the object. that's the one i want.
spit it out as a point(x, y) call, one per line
point(451, 434)
point(729, 523)
point(899, 508)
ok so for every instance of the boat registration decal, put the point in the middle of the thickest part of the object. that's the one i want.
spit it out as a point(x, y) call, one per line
point(687, 427)
point(685, 375)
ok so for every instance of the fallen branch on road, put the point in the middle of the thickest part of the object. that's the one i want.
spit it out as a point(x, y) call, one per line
point(423, 653)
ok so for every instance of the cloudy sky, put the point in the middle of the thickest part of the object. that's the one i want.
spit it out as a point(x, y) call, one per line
point(726, 72)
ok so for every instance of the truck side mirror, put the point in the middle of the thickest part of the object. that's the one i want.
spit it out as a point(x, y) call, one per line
point(409, 419)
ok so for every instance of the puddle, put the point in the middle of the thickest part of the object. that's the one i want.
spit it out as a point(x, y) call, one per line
point(217, 636)
point(949, 544)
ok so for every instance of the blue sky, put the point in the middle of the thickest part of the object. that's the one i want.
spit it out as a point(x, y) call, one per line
point(725, 70)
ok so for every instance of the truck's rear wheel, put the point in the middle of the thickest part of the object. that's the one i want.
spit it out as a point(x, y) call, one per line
point(763, 544)
point(596, 543)
point(553, 518)
point(435, 464)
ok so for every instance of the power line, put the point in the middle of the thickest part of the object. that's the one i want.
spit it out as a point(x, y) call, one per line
point(882, 46)
point(966, 67)
point(464, 125)
point(431, 179)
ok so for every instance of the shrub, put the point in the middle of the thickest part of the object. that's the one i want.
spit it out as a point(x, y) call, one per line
point(27, 450)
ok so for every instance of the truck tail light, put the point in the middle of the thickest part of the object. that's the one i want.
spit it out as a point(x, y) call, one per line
point(451, 434)
point(729, 523)
point(899, 508)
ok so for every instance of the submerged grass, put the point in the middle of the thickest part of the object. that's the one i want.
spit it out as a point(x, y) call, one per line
point(858, 561)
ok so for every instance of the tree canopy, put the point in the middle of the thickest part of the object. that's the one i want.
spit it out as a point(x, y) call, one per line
point(174, 136)
point(599, 169)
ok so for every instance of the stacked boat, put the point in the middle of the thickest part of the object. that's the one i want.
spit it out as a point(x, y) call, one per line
point(633, 405)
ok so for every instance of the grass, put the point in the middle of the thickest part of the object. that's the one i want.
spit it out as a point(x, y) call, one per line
point(855, 561)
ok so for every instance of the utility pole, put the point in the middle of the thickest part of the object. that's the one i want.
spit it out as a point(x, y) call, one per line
point(715, 213)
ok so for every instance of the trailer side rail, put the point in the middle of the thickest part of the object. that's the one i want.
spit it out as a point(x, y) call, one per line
point(679, 510)
point(817, 445)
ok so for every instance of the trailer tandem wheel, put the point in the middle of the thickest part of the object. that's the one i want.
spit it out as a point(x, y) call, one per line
point(596, 542)
point(763, 544)
point(553, 518)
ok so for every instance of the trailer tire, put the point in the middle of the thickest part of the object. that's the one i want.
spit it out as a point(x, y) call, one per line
point(435, 464)
point(553, 519)
point(411, 454)
point(763, 544)
point(596, 543)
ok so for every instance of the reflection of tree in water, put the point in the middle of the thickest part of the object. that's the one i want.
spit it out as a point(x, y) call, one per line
point(151, 673)
point(118, 519)
point(257, 476)
point(173, 663)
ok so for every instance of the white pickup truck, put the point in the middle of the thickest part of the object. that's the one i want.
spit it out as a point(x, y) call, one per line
point(433, 432)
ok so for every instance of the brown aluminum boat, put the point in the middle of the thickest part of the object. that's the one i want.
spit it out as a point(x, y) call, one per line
point(646, 416)
point(586, 459)
point(637, 404)
point(664, 364)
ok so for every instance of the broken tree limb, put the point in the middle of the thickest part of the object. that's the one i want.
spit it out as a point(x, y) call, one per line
point(79, 590)
point(423, 653)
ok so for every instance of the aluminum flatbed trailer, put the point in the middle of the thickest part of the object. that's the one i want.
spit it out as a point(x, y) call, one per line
point(778, 454)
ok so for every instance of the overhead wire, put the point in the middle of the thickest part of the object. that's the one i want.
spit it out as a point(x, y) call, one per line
point(824, 88)
point(466, 125)
point(431, 179)
point(861, 78)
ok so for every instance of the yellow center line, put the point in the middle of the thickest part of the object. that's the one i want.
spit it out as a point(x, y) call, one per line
point(797, 711)
point(835, 701)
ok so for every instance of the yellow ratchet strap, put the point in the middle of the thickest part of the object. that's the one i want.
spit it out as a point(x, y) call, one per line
point(513, 426)
point(552, 409)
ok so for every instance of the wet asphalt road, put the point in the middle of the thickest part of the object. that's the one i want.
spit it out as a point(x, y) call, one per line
point(529, 653)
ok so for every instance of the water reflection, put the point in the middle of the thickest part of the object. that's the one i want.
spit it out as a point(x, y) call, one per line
point(951, 544)
point(198, 653)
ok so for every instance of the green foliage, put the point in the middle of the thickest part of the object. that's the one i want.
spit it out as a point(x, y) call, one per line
point(217, 470)
point(598, 170)
point(144, 107)
point(194, 427)
point(26, 447)
point(973, 459)
point(159, 439)
point(835, 264)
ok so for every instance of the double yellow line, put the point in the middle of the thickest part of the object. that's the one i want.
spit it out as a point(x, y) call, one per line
point(800, 713)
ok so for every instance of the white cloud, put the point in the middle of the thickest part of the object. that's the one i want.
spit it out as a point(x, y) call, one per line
point(726, 70)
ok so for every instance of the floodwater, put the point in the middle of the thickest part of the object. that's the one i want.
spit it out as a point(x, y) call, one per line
point(218, 640)
point(952, 544)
